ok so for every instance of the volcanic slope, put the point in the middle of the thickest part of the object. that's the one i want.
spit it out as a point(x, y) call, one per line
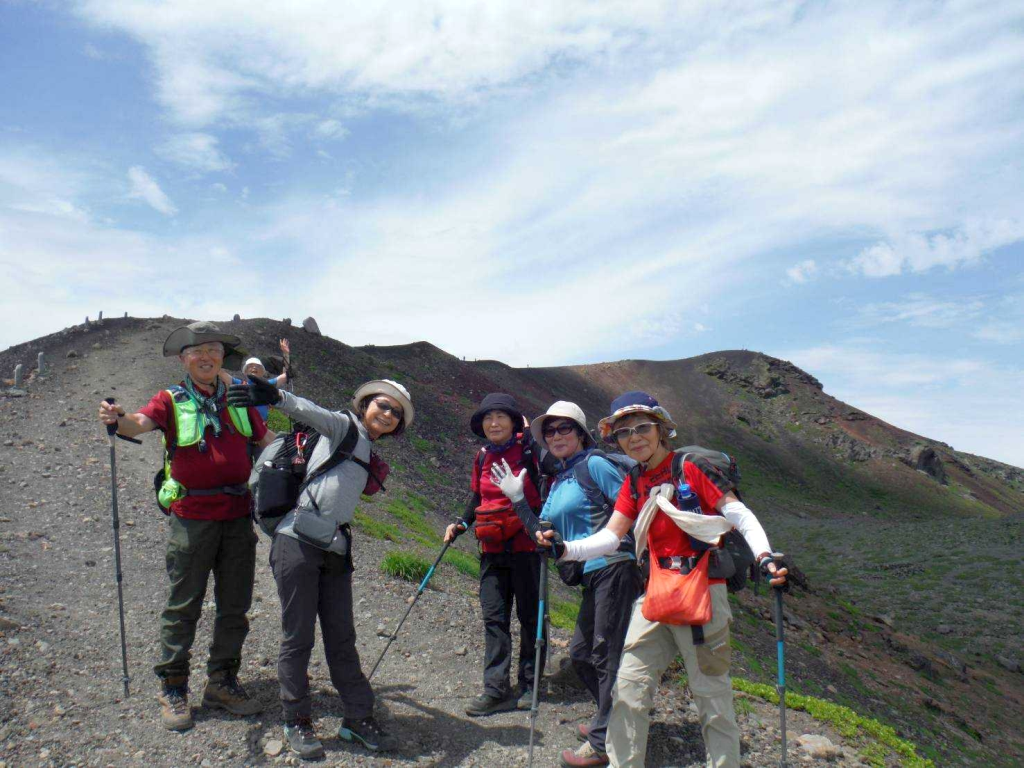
point(901, 616)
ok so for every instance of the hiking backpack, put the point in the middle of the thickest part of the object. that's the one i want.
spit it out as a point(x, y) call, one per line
point(733, 560)
point(280, 474)
point(571, 572)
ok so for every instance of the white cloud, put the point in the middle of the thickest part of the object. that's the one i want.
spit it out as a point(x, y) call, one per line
point(919, 253)
point(924, 311)
point(331, 130)
point(144, 187)
point(803, 272)
point(198, 151)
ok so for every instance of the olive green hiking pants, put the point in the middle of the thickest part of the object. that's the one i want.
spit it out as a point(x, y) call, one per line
point(195, 549)
point(650, 648)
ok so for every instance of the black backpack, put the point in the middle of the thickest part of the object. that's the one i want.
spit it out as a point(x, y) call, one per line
point(280, 475)
point(571, 572)
point(733, 560)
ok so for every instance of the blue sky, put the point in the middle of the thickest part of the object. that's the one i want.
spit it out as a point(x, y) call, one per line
point(838, 184)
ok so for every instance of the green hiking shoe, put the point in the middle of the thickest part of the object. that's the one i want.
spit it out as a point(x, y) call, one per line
point(301, 739)
point(485, 704)
point(224, 691)
point(368, 733)
point(175, 713)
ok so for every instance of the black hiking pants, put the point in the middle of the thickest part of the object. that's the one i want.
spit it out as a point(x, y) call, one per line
point(506, 576)
point(312, 583)
point(600, 634)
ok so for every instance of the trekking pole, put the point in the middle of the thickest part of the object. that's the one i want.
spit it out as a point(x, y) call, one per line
point(781, 639)
point(111, 431)
point(542, 620)
point(423, 585)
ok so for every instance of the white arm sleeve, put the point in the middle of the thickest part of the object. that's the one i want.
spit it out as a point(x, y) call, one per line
point(737, 513)
point(604, 542)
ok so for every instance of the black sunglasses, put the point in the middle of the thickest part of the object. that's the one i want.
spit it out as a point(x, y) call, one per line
point(387, 407)
point(563, 429)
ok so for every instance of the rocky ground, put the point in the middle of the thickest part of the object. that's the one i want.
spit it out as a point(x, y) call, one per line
point(61, 698)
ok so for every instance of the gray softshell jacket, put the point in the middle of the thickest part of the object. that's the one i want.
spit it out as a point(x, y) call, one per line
point(337, 491)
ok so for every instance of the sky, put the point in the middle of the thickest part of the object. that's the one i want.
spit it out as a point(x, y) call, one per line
point(838, 184)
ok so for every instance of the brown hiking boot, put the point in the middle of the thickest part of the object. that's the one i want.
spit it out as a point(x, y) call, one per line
point(175, 714)
point(224, 691)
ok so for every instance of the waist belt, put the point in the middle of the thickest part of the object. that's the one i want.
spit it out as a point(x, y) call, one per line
point(678, 563)
point(231, 490)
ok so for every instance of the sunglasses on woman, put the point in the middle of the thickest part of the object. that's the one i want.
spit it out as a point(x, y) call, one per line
point(624, 433)
point(387, 407)
point(563, 429)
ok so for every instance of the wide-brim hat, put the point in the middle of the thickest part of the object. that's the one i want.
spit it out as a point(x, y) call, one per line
point(496, 401)
point(634, 402)
point(201, 332)
point(561, 409)
point(391, 389)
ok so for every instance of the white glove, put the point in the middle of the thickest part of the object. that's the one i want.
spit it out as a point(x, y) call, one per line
point(508, 481)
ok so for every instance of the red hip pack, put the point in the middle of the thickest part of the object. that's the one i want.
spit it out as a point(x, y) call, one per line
point(677, 598)
point(497, 524)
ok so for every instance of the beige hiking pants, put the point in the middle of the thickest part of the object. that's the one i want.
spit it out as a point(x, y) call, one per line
point(650, 648)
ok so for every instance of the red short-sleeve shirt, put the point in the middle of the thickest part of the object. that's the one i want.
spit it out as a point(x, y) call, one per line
point(666, 539)
point(225, 462)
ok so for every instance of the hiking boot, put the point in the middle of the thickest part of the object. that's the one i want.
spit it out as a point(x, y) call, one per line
point(301, 739)
point(223, 690)
point(525, 700)
point(368, 733)
point(175, 713)
point(585, 756)
point(485, 704)
point(583, 732)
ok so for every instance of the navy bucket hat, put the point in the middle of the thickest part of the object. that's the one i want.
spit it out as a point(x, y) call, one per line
point(496, 401)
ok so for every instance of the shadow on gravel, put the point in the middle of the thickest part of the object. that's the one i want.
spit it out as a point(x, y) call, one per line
point(454, 737)
point(675, 744)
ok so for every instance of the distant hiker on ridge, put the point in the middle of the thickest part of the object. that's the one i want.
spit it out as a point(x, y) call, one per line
point(253, 366)
point(676, 615)
point(311, 555)
point(211, 531)
point(509, 561)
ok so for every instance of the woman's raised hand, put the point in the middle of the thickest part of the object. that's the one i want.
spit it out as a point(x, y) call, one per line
point(508, 481)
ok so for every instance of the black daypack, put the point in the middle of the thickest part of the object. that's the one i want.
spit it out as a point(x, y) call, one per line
point(280, 474)
point(733, 560)
point(571, 572)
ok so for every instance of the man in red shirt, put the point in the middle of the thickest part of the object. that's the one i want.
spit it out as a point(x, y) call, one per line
point(208, 446)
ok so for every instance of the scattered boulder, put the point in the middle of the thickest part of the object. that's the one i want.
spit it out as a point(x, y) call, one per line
point(1010, 665)
point(309, 325)
point(236, 318)
point(923, 458)
point(273, 747)
point(818, 747)
point(71, 353)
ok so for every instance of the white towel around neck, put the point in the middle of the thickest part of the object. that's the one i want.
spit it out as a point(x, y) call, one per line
point(707, 528)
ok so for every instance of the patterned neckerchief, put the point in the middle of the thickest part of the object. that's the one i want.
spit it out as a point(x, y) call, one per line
point(207, 405)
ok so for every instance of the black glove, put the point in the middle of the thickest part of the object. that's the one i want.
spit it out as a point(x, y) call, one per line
point(461, 526)
point(767, 575)
point(557, 542)
point(558, 545)
point(257, 392)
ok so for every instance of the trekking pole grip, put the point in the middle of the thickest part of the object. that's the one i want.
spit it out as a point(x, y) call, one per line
point(111, 428)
